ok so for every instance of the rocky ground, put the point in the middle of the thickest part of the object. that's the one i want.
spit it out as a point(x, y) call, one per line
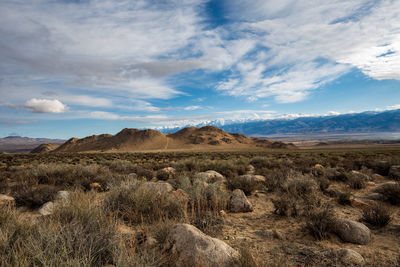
point(336, 208)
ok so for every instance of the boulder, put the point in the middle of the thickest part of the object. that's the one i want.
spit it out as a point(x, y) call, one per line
point(239, 202)
point(374, 196)
point(377, 177)
point(210, 177)
point(251, 178)
point(318, 170)
point(156, 187)
point(350, 257)
point(190, 247)
point(6, 200)
point(62, 196)
point(394, 172)
point(250, 169)
point(46, 209)
point(352, 231)
point(381, 188)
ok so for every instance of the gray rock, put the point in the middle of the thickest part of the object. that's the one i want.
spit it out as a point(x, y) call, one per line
point(381, 188)
point(352, 231)
point(239, 202)
point(374, 196)
point(210, 177)
point(350, 257)
point(62, 196)
point(156, 187)
point(132, 175)
point(251, 178)
point(46, 209)
point(190, 247)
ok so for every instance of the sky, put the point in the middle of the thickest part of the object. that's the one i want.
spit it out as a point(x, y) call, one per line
point(82, 67)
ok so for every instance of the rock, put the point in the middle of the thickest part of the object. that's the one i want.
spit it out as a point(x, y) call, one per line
point(210, 177)
point(350, 257)
point(394, 172)
point(156, 187)
point(319, 167)
point(377, 177)
point(352, 231)
point(359, 203)
point(251, 178)
point(222, 213)
point(132, 175)
point(6, 200)
point(190, 247)
point(166, 173)
point(369, 183)
point(46, 209)
point(96, 187)
point(239, 202)
point(250, 169)
point(62, 196)
point(150, 242)
point(374, 196)
point(381, 188)
point(265, 233)
point(360, 175)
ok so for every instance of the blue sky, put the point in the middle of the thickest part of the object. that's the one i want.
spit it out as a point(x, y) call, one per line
point(76, 68)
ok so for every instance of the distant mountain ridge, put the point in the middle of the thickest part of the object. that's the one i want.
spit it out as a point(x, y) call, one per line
point(16, 144)
point(365, 122)
point(130, 140)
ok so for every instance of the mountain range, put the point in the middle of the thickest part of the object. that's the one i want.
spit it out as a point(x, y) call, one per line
point(365, 122)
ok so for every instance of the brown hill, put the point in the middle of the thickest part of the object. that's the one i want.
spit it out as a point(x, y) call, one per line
point(127, 140)
point(43, 148)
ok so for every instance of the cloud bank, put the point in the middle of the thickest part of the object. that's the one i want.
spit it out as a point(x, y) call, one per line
point(45, 106)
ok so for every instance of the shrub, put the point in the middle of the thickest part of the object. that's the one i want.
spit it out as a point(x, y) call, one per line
point(299, 187)
point(377, 215)
point(135, 204)
point(320, 222)
point(356, 181)
point(344, 198)
point(285, 205)
point(336, 174)
point(391, 193)
point(246, 185)
point(33, 196)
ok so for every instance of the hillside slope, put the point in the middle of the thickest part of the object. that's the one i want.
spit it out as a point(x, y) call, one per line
point(127, 140)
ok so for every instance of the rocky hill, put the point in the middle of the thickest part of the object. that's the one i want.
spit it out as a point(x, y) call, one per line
point(43, 148)
point(207, 137)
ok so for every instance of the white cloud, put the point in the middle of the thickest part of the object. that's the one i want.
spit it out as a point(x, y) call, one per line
point(189, 108)
point(310, 43)
point(45, 106)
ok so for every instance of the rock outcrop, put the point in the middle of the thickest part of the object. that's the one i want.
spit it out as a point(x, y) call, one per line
point(239, 202)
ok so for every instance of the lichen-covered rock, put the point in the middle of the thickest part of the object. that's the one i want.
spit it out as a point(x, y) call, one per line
point(352, 231)
point(210, 177)
point(239, 202)
point(46, 209)
point(350, 257)
point(156, 187)
point(62, 196)
point(251, 178)
point(190, 247)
